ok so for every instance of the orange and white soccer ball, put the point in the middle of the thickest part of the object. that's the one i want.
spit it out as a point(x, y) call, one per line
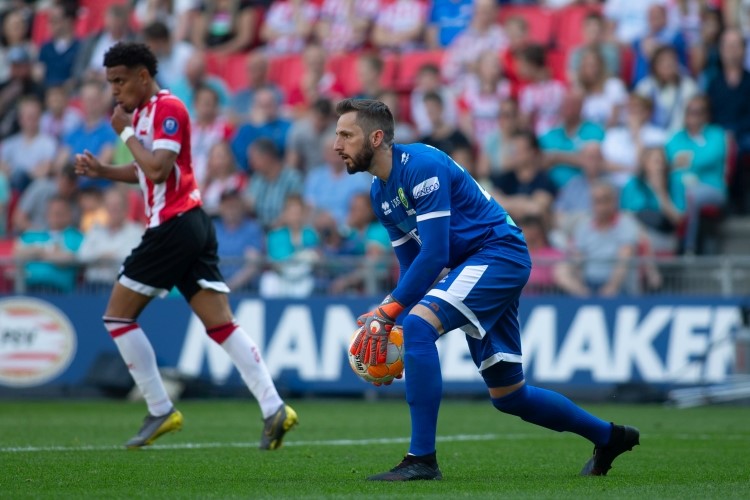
point(394, 362)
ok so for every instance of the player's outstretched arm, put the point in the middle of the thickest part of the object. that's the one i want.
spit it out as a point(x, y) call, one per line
point(87, 164)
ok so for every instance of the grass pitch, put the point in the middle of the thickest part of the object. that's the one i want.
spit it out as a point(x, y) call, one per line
point(74, 450)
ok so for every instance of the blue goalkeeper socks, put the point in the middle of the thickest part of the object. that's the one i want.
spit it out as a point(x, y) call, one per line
point(424, 383)
point(554, 411)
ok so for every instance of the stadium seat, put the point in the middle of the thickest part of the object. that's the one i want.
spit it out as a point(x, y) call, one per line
point(569, 25)
point(539, 19)
point(557, 61)
point(409, 64)
point(344, 66)
point(95, 10)
point(285, 71)
point(232, 68)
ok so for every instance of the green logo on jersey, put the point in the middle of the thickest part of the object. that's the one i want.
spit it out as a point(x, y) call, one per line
point(402, 197)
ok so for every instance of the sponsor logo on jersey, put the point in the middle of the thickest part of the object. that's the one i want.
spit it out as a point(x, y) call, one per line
point(386, 207)
point(404, 158)
point(426, 187)
point(170, 126)
point(37, 342)
point(402, 197)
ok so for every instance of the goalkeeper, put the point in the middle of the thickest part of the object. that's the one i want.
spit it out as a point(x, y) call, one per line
point(438, 217)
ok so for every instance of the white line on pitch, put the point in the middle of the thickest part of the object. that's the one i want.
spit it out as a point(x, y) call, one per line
point(331, 442)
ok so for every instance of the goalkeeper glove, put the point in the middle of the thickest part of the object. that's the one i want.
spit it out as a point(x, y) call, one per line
point(371, 344)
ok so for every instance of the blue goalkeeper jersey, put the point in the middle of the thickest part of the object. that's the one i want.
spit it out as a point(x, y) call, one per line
point(437, 215)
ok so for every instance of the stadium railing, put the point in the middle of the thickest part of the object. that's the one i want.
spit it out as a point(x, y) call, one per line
point(723, 276)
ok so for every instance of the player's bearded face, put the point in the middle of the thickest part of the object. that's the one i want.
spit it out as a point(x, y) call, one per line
point(362, 160)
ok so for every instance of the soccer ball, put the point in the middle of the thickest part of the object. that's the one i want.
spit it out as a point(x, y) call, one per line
point(394, 362)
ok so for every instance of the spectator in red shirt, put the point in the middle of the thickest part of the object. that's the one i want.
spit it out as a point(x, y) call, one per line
point(314, 82)
point(209, 127)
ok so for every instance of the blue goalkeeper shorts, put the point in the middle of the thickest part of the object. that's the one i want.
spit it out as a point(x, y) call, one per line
point(480, 297)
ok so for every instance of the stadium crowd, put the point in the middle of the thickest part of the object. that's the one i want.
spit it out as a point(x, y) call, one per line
point(607, 130)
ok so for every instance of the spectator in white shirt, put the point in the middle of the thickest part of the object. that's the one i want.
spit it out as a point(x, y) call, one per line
point(104, 247)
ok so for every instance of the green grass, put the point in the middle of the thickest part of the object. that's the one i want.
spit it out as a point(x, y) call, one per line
point(72, 450)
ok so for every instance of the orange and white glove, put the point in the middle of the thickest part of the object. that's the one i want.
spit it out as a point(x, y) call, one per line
point(371, 344)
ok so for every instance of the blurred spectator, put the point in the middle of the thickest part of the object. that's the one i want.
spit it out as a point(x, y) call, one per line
point(288, 25)
point(603, 245)
point(105, 245)
point(222, 176)
point(207, 128)
point(271, 183)
point(344, 25)
point(90, 201)
point(12, 92)
point(329, 187)
point(604, 96)
point(175, 14)
point(49, 254)
point(265, 121)
point(573, 201)
point(315, 82)
point(562, 145)
point(628, 19)
point(649, 197)
point(366, 238)
point(526, 190)
point(58, 55)
point(304, 148)
point(698, 155)
point(496, 154)
point(447, 19)
point(428, 80)
point(517, 31)
point(668, 88)
point(400, 26)
point(196, 76)
point(729, 94)
point(369, 74)
point(4, 203)
point(546, 260)
point(225, 26)
point(482, 35)
point(479, 102)
point(684, 16)
point(257, 77)
point(31, 212)
point(403, 133)
point(59, 118)
point(445, 136)
point(172, 55)
point(28, 154)
point(705, 61)
point(241, 241)
point(540, 100)
point(292, 253)
point(95, 134)
point(15, 35)
point(659, 34)
point(595, 37)
point(624, 144)
point(91, 54)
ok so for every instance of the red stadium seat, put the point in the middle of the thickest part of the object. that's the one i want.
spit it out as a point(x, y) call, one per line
point(230, 67)
point(557, 63)
point(344, 66)
point(569, 25)
point(539, 19)
point(96, 9)
point(409, 65)
point(285, 71)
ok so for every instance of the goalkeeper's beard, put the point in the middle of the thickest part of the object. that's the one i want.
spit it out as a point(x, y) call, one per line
point(362, 161)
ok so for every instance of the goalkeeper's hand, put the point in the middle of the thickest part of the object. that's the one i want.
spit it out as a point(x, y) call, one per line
point(371, 344)
point(378, 384)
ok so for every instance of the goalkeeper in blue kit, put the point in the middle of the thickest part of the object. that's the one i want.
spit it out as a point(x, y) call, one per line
point(439, 218)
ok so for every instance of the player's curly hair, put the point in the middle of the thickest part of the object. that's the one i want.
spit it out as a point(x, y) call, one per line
point(371, 115)
point(131, 55)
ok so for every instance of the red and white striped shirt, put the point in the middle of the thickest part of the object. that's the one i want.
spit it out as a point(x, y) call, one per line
point(541, 101)
point(164, 123)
